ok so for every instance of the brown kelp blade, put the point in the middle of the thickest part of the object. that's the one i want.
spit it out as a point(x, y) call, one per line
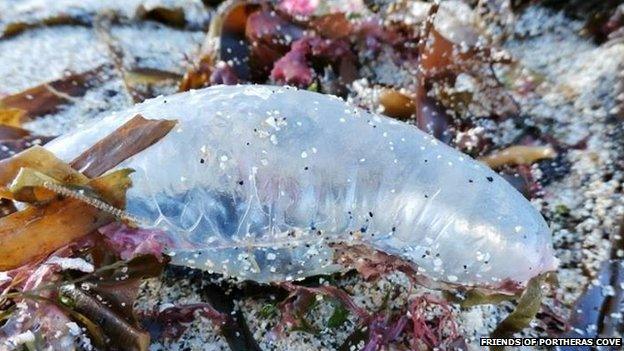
point(48, 97)
point(122, 333)
point(88, 203)
point(38, 230)
point(42, 160)
point(131, 138)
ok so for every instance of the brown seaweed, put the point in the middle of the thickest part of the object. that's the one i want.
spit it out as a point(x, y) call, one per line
point(48, 97)
point(119, 332)
point(132, 137)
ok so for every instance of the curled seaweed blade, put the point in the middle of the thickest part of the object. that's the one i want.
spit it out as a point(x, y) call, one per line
point(528, 306)
point(119, 331)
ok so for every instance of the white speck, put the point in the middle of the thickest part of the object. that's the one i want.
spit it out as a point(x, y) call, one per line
point(312, 251)
point(72, 263)
point(451, 278)
point(304, 154)
point(271, 256)
point(482, 256)
point(23, 338)
point(224, 158)
point(74, 329)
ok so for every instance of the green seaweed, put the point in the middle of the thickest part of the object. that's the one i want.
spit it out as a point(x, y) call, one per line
point(339, 316)
point(528, 306)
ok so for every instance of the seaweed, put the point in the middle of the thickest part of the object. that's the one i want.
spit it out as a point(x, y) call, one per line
point(598, 311)
point(524, 312)
point(518, 155)
point(48, 97)
point(116, 330)
point(132, 137)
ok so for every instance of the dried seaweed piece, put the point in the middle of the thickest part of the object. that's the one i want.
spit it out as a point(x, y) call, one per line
point(519, 155)
point(150, 76)
point(120, 332)
point(174, 16)
point(132, 137)
point(396, 104)
point(595, 313)
point(38, 230)
point(382, 330)
point(146, 82)
point(48, 97)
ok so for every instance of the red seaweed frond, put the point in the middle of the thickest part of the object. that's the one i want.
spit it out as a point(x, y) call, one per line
point(436, 331)
point(170, 323)
point(383, 329)
point(330, 291)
